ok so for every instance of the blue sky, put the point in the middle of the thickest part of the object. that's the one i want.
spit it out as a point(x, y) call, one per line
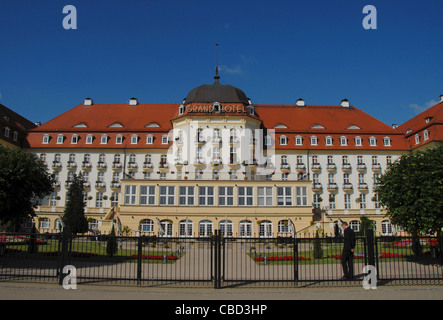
point(276, 51)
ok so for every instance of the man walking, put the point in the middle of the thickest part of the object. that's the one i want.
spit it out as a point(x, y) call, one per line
point(347, 258)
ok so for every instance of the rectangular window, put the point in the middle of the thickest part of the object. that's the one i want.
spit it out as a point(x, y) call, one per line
point(362, 201)
point(347, 201)
point(114, 199)
point(284, 196)
point(225, 196)
point(186, 196)
point(147, 195)
point(206, 196)
point(302, 196)
point(264, 196)
point(99, 200)
point(130, 194)
point(331, 201)
point(167, 194)
point(245, 196)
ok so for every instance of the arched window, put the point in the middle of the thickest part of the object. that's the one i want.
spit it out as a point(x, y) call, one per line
point(245, 229)
point(205, 228)
point(355, 225)
point(93, 225)
point(226, 228)
point(386, 228)
point(165, 228)
point(283, 226)
point(185, 228)
point(44, 223)
point(265, 229)
point(146, 225)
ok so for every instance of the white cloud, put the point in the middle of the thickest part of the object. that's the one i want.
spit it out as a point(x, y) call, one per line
point(420, 108)
point(231, 70)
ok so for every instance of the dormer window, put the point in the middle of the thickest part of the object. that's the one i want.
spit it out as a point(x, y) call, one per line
point(89, 139)
point(216, 107)
point(165, 139)
point(372, 142)
point(343, 141)
point(74, 139)
point(134, 139)
point(268, 140)
point(298, 140)
point(60, 139)
point(149, 139)
point(104, 139)
point(283, 140)
point(428, 119)
point(6, 132)
point(46, 138)
point(328, 141)
point(314, 141)
point(119, 139)
point(387, 141)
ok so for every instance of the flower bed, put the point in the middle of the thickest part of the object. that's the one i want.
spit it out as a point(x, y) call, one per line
point(382, 255)
point(9, 239)
point(154, 257)
point(280, 258)
point(73, 254)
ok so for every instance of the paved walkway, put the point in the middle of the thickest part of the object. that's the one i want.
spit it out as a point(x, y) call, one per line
point(48, 291)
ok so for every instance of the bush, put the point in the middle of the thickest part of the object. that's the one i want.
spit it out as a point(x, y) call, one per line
point(318, 251)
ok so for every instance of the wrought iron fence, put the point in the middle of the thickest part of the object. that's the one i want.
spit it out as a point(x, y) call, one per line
point(216, 261)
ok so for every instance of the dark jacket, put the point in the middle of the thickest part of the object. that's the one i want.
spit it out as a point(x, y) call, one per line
point(349, 239)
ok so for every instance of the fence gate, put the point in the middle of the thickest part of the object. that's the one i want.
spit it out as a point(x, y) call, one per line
point(215, 261)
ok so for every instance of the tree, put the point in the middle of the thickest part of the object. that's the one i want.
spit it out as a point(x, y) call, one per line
point(365, 224)
point(74, 216)
point(318, 250)
point(23, 180)
point(411, 191)
point(111, 244)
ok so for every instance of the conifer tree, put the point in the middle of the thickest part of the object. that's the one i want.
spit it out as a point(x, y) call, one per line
point(74, 216)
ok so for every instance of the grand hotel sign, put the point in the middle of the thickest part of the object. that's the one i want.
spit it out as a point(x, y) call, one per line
point(216, 108)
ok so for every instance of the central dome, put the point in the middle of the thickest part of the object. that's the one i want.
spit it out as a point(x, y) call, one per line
point(216, 92)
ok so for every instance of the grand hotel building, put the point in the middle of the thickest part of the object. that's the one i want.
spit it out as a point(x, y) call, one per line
point(218, 161)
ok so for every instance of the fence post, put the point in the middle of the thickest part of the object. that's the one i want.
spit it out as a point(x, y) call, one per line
point(139, 259)
point(370, 241)
point(66, 238)
point(295, 253)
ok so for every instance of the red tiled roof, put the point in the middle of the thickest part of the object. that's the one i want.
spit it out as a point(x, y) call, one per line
point(336, 120)
point(430, 120)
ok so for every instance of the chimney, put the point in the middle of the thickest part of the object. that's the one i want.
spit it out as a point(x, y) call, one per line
point(300, 103)
point(133, 102)
point(345, 103)
point(88, 102)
